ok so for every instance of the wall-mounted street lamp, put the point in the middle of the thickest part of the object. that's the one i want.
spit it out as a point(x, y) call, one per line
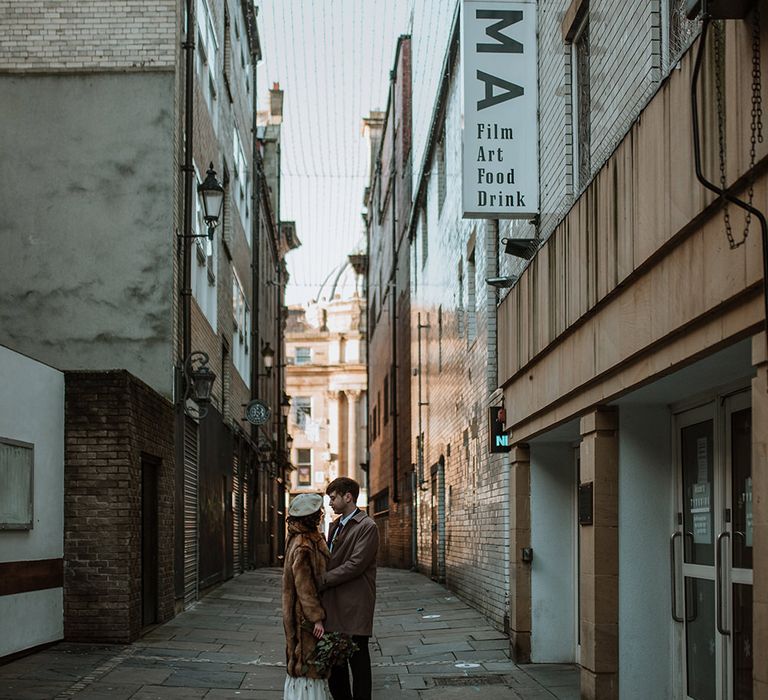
point(198, 383)
point(285, 405)
point(521, 247)
point(212, 194)
point(501, 282)
point(268, 354)
point(289, 442)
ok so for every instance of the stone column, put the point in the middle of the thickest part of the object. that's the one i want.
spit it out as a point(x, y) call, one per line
point(519, 537)
point(333, 425)
point(760, 515)
point(352, 428)
point(599, 555)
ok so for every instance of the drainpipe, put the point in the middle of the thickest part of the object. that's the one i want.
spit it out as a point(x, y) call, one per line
point(255, 293)
point(188, 169)
point(393, 295)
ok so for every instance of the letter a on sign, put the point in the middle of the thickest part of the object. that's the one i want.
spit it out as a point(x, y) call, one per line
point(500, 110)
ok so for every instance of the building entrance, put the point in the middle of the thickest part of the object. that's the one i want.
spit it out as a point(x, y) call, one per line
point(711, 549)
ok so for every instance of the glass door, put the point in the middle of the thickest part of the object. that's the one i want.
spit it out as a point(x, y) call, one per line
point(737, 546)
point(700, 521)
point(712, 549)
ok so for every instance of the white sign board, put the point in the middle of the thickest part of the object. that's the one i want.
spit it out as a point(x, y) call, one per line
point(500, 170)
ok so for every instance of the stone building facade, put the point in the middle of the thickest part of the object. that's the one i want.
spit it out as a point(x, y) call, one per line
point(624, 530)
point(326, 382)
point(97, 279)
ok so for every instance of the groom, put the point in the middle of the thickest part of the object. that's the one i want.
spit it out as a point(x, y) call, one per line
point(349, 586)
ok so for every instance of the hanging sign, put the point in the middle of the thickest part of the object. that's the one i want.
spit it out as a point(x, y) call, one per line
point(498, 438)
point(500, 174)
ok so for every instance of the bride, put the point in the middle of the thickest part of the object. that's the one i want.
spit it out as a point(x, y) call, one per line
point(306, 557)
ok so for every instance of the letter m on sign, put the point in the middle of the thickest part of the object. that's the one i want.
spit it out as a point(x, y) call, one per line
point(505, 44)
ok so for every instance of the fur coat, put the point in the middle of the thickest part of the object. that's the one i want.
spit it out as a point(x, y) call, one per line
point(306, 557)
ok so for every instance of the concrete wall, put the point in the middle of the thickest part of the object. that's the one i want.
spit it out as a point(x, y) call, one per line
point(97, 236)
point(32, 411)
point(553, 571)
point(646, 481)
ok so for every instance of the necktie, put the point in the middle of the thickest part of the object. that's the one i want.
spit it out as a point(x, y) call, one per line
point(336, 534)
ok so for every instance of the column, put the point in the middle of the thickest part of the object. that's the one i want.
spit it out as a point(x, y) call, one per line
point(760, 515)
point(333, 427)
point(519, 537)
point(599, 555)
point(352, 429)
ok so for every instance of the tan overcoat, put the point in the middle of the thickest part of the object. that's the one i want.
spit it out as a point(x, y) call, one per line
point(306, 557)
point(349, 585)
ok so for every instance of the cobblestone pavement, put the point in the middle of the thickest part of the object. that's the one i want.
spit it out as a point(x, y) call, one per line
point(428, 644)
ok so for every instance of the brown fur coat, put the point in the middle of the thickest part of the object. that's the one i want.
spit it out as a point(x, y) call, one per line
point(306, 557)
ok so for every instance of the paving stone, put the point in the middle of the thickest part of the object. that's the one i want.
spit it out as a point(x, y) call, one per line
point(162, 692)
point(25, 689)
point(107, 691)
point(205, 679)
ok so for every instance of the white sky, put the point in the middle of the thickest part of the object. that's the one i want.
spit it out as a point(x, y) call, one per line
point(332, 58)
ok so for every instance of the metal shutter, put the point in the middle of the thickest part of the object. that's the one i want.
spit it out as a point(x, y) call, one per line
point(237, 519)
point(190, 512)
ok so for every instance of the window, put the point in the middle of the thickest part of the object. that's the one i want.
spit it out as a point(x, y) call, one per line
point(440, 338)
point(471, 297)
point(242, 189)
point(206, 58)
point(303, 356)
point(204, 265)
point(441, 170)
point(304, 466)
point(581, 105)
point(302, 407)
point(241, 335)
point(460, 301)
point(386, 399)
point(17, 461)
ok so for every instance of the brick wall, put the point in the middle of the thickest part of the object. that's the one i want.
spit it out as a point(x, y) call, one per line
point(111, 420)
point(60, 35)
point(458, 376)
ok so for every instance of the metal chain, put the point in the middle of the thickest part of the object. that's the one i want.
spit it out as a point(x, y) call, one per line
point(756, 135)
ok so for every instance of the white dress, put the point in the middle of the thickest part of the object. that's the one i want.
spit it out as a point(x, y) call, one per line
point(306, 689)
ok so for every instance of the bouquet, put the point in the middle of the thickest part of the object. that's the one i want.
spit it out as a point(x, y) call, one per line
point(332, 649)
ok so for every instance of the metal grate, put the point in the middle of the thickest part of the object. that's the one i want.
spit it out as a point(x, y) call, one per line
point(583, 104)
point(464, 681)
point(682, 31)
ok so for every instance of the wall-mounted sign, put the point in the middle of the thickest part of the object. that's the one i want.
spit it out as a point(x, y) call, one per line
point(257, 412)
point(500, 171)
point(586, 510)
point(499, 440)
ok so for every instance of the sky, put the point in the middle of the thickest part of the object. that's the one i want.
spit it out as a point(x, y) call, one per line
point(332, 59)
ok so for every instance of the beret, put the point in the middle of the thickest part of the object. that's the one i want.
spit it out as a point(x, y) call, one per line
point(305, 504)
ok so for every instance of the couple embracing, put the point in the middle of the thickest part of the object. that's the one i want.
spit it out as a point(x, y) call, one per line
point(329, 593)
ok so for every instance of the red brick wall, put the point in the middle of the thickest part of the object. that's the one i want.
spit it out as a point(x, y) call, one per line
point(111, 419)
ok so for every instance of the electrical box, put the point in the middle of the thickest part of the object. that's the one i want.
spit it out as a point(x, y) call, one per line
point(720, 9)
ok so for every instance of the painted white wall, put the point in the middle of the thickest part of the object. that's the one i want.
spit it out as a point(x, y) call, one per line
point(645, 524)
point(32, 410)
point(553, 598)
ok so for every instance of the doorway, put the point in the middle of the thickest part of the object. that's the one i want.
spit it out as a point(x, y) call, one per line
point(712, 548)
point(149, 542)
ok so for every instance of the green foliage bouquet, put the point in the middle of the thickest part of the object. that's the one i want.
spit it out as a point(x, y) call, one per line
point(332, 649)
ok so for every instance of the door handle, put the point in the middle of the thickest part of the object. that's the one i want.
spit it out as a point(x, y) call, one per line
point(719, 574)
point(673, 573)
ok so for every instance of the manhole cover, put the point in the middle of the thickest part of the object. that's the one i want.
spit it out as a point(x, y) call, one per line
point(463, 681)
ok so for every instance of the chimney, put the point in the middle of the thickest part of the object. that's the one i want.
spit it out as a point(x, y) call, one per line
point(275, 104)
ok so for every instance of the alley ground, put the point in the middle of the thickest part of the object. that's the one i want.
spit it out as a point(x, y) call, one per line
point(428, 644)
